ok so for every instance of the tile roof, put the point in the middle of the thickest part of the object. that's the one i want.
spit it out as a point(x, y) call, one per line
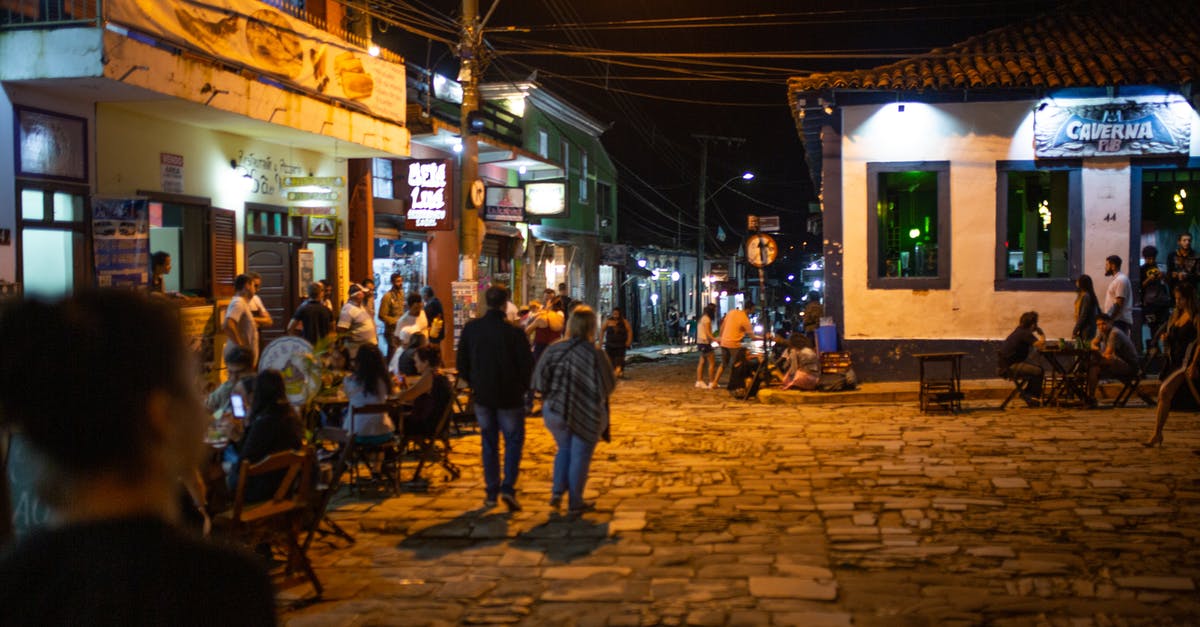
point(1086, 44)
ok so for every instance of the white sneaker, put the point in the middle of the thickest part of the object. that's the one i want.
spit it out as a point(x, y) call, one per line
point(701, 385)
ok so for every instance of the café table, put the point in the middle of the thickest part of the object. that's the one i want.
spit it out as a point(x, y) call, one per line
point(940, 386)
point(1067, 380)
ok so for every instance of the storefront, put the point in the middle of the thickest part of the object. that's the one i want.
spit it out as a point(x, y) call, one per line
point(945, 219)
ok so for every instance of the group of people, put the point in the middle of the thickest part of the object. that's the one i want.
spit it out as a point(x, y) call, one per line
point(1170, 313)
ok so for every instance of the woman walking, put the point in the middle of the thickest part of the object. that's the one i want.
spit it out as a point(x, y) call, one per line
point(575, 380)
point(704, 344)
point(1086, 308)
point(618, 337)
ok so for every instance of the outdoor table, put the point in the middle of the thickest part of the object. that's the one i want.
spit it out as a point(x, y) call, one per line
point(1067, 373)
point(941, 385)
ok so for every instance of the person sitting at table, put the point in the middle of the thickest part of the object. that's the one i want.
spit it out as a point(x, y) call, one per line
point(112, 552)
point(239, 362)
point(404, 363)
point(271, 427)
point(1179, 331)
point(429, 396)
point(1014, 355)
point(1114, 356)
point(1086, 308)
point(368, 385)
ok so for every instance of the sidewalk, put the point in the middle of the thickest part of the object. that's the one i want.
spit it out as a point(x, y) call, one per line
point(878, 391)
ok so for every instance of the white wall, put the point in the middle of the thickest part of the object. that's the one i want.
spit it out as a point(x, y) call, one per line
point(128, 147)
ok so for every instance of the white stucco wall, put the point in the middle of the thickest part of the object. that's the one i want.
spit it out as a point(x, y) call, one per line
point(128, 145)
point(972, 137)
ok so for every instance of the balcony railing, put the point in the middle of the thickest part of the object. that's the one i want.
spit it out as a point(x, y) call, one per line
point(42, 13)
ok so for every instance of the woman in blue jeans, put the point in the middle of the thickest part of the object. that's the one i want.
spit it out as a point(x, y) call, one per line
point(575, 379)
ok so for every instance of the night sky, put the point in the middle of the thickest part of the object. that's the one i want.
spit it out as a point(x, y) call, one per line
point(733, 85)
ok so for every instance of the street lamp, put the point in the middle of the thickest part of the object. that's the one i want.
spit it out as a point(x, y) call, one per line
point(704, 198)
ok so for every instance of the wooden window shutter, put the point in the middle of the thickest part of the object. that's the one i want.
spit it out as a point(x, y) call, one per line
point(222, 237)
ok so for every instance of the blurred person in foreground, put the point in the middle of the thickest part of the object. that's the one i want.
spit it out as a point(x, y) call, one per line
point(112, 553)
point(575, 380)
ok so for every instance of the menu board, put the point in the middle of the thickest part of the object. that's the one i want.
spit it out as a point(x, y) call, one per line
point(465, 295)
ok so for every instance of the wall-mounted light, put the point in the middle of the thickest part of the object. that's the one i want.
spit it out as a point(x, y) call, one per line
point(641, 263)
point(522, 170)
point(373, 50)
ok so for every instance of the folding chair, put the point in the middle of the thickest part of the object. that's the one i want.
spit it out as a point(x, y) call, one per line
point(1131, 386)
point(1021, 387)
point(386, 454)
point(334, 448)
point(278, 520)
point(462, 402)
point(433, 447)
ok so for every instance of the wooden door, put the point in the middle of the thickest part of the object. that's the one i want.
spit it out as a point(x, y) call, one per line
point(273, 260)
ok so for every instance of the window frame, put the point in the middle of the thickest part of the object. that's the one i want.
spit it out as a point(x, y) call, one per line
point(83, 271)
point(940, 282)
point(1074, 169)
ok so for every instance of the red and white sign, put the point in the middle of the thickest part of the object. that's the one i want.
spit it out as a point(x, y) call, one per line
point(171, 167)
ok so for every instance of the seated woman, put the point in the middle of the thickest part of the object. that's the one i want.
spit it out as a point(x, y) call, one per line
point(803, 364)
point(271, 427)
point(368, 385)
point(430, 395)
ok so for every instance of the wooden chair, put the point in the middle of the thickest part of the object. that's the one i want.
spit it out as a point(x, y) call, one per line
point(277, 521)
point(1133, 385)
point(334, 449)
point(386, 454)
point(433, 447)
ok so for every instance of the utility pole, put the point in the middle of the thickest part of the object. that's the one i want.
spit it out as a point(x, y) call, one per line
point(471, 54)
point(703, 200)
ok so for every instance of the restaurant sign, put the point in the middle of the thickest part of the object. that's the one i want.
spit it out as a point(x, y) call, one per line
point(425, 190)
point(1158, 125)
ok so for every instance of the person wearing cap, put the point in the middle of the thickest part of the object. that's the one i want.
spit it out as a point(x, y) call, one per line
point(355, 323)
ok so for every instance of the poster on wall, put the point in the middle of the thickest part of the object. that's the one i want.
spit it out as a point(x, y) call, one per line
point(171, 171)
point(199, 330)
point(1157, 125)
point(254, 35)
point(305, 264)
point(466, 302)
point(121, 240)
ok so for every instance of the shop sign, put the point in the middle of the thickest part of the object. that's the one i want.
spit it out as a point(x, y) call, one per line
point(546, 200)
point(254, 35)
point(121, 242)
point(719, 270)
point(322, 227)
point(312, 211)
point(1159, 125)
point(313, 196)
point(426, 194)
point(504, 204)
point(314, 181)
point(171, 167)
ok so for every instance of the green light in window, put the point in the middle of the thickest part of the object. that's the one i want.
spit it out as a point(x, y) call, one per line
point(914, 233)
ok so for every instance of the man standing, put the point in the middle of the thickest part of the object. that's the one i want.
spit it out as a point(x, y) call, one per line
point(1115, 357)
point(368, 285)
point(568, 303)
point(355, 323)
point(1183, 265)
point(1014, 355)
point(239, 323)
point(391, 307)
point(494, 358)
point(435, 315)
point(1118, 299)
point(413, 321)
point(262, 318)
point(312, 320)
point(1155, 295)
point(734, 328)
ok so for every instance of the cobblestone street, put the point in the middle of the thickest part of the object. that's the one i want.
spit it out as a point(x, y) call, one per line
point(713, 511)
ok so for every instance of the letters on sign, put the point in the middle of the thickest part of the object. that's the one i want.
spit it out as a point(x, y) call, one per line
point(428, 206)
point(1151, 125)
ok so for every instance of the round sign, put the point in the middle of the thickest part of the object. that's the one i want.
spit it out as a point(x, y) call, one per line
point(761, 250)
point(293, 358)
point(477, 194)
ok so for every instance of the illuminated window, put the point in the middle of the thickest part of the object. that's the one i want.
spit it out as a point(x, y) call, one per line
point(908, 225)
point(382, 179)
point(1038, 220)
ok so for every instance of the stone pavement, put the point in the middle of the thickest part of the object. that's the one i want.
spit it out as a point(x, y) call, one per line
point(714, 511)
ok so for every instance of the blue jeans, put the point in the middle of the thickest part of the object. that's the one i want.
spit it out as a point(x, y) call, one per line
point(492, 422)
point(572, 461)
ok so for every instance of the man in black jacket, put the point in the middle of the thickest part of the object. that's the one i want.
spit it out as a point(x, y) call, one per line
point(494, 358)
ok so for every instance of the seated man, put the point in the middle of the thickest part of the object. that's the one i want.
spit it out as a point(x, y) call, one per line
point(1014, 352)
point(1113, 357)
point(239, 365)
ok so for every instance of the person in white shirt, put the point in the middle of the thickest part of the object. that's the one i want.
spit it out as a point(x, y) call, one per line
point(239, 324)
point(355, 323)
point(262, 318)
point(413, 321)
point(1118, 299)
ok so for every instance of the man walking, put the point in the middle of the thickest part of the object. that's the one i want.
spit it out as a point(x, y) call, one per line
point(355, 323)
point(239, 324)
point(1118, 299)
point(495, 359)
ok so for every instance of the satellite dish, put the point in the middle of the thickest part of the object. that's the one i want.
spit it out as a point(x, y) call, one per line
point(293, 357)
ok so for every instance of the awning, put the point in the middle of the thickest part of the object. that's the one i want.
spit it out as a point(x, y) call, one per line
point(500, 229)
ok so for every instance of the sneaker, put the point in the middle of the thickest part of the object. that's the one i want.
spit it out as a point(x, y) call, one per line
point(556, 500)
point(510, 501)
point(701, 385)
point(586, 506)
point(489, 502)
